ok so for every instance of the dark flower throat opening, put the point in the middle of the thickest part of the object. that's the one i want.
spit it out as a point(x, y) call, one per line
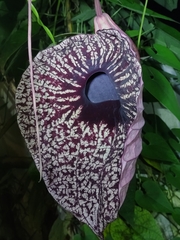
point(100, 88)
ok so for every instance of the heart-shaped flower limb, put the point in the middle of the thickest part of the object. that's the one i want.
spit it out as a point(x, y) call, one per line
point(88, 93)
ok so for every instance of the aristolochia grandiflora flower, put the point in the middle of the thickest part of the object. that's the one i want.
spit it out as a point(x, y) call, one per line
point(88, 93)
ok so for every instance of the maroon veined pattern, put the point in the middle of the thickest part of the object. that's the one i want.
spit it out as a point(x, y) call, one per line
point(81, 143)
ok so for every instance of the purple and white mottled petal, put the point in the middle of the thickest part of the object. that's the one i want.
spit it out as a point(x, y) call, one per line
point(84, 145)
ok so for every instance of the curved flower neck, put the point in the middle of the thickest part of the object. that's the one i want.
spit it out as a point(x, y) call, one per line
point(104, 21)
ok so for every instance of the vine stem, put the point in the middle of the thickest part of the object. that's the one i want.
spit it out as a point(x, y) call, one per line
point(32, 84)
point(142, 22)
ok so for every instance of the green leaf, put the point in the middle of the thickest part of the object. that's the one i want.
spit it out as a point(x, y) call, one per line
point(168, 4)
point(135, 7)
point(144, 228)
point(157, 124)
point(108, 237)
point(169, 39)
point(57, 231)
point(157, 148)
point(176, 215)
point(89, 234)
point(77, 237)
point(168, 29)
point(127, 209)
point(172, 175)
point(163, 55)
point(154, 164)
point(174, 144)
point(118, 228)
point(16, 39)
point(153, 198)
point(84, 16)
point(156, 83)
point(132, 33)
point(176, 132)
point(61, 229)
point(86, 13)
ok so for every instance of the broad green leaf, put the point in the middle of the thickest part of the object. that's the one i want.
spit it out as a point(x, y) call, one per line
point(168, 4)
point(163, 55)
point(77, 237)
point(176, 215)
point(89, 234)
point(127, 209)
point(86, 13)
point(61, 229)
point(108, 237)
point(156, 83)
point(172, 175)
point(57, 232)
point(118, 228)
point(163, 38)
point(145, 227)
point(174, 144)
point(153, 198)
point(176, 132)
point(16, 39)
point(168, 29)
point(147, 126)
point(135, 7)
point(156, 123)
point(154, 164)
point(84, 16)
point(157, 148)
point(132, 33)
point(174, 79)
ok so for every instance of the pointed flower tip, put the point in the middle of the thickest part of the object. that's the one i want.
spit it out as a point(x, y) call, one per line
point(104, 21)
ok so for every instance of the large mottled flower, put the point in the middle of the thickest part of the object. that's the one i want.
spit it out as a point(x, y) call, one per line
point(88, 92)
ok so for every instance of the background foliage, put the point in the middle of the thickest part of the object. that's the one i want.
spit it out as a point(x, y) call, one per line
point(152, 206)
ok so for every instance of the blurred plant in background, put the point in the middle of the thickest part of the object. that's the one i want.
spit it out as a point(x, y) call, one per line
point(152, 206)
